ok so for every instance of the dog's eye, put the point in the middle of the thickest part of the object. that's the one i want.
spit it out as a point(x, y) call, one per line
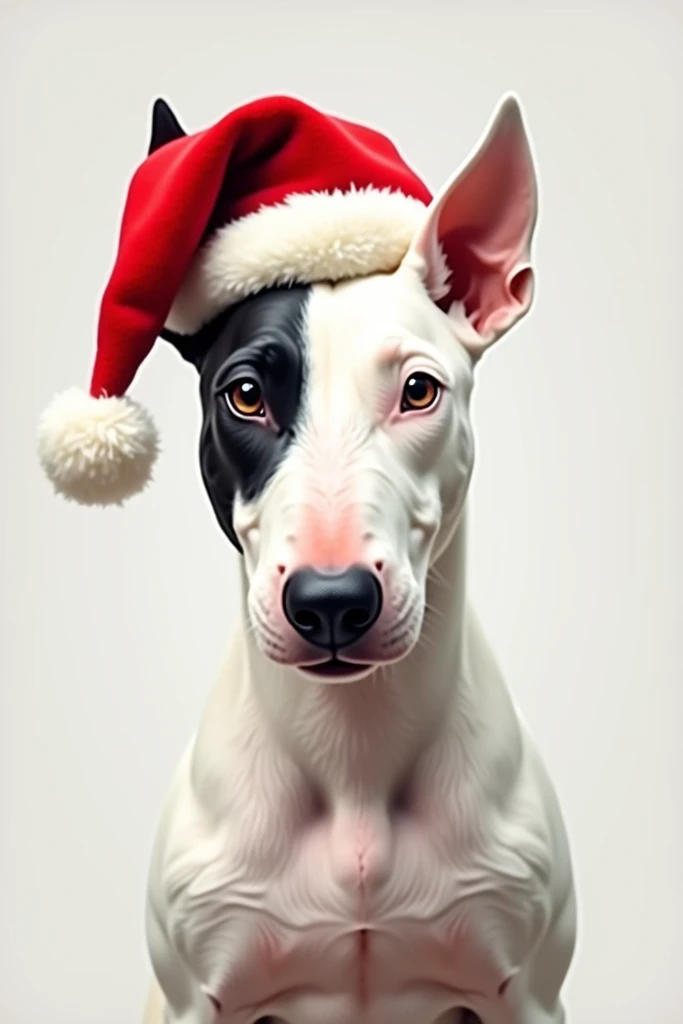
point(245, 397)
point(419, 392)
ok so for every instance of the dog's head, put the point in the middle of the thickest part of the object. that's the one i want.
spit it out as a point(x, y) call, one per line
point(336, 444)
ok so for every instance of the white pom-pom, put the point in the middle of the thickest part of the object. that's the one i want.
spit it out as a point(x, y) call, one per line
point(97, 451)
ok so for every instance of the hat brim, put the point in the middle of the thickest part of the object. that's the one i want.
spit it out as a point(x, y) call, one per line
point(308, 238)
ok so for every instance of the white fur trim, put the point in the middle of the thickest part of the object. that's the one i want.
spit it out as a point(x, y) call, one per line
point(310, 237)
point(97, 451)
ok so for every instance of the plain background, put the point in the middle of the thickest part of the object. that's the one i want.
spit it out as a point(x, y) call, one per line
point(114, 623)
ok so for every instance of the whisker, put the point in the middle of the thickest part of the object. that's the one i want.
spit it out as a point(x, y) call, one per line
point(426, 643)
point(434, 610)
point(438, 577)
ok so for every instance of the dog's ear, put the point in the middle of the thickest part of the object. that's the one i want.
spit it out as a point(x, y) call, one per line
point(473, 250)
point(192, 347)
point(165, 126)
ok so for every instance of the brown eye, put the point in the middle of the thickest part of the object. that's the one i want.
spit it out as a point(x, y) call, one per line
point(246, 398)
point(419, 392)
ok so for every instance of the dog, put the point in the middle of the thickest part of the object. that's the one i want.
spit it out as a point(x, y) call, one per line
point(361, 830)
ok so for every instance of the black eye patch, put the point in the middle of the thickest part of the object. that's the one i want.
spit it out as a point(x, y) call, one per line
point(263, 338)
point(275, 363)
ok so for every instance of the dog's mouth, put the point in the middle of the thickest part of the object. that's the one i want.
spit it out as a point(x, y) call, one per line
point(336, 668)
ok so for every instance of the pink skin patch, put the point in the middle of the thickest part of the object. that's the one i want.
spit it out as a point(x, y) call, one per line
point(330, 542)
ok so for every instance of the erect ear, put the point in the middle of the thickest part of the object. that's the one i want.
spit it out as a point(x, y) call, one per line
point(165, 126)
point(474, 247)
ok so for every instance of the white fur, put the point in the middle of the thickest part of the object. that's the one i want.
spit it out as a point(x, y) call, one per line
point(287, 882)
point(319, 236)
point(97, 451)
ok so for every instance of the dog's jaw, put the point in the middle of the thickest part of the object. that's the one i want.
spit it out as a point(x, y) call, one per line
point(328, 725)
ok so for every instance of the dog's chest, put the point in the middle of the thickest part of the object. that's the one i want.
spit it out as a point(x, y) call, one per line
point(356, 915)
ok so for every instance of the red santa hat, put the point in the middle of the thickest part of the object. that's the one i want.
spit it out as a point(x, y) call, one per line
point(275, 193)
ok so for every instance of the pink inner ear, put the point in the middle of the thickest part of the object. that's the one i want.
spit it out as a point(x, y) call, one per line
point(485, 281)
point(483, 227)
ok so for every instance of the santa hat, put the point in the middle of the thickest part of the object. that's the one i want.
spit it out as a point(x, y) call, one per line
point(275, 193)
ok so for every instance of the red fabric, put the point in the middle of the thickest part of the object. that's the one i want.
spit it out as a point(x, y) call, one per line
point(255, 156)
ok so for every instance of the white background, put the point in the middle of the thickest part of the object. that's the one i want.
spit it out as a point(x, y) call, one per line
point(114, 623)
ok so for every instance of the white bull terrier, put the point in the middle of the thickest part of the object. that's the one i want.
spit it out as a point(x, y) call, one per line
point(361, 830)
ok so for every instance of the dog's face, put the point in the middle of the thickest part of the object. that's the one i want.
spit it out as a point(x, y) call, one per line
point(336, 436)
point(336, 444)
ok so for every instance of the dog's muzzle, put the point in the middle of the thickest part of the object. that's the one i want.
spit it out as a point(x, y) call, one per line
point(332, 610)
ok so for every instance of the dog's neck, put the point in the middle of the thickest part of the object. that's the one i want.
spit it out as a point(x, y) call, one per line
point(359, 739)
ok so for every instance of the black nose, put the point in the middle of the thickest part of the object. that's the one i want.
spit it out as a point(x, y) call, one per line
point(332, 609)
